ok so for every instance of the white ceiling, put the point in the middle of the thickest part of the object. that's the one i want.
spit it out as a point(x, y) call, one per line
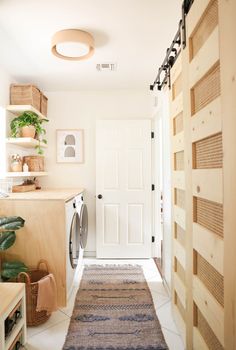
point(132, 33)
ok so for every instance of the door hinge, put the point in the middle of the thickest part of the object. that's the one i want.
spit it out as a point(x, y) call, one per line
point(153, 239)
point(153, 187)
point(152, 134)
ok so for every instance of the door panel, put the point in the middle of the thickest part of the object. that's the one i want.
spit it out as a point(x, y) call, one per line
point(110, 167)
point(135, 169)
point(135, 223)
point(111, 224)
point(123, 178)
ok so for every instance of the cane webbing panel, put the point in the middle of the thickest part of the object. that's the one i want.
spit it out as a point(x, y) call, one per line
point(206, 90)
point(208, 153)
point(211, 278)
point(179, 270)
point(178, 125)
point(179, 160)
point(207, 333)
point(204, 28)
point(180, 198)
point(209, 215)
point(180, 306)
point(179, 234)
point(177, 86)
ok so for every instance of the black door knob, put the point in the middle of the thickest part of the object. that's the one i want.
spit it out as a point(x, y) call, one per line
point(99, 196)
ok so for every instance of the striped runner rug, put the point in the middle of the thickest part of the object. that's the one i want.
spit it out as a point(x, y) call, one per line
point(114, 311)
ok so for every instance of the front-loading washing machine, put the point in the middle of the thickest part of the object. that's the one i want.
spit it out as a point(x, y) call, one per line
point(76, 233)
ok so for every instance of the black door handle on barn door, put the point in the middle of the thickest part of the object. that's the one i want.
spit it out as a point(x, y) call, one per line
point(99, 196)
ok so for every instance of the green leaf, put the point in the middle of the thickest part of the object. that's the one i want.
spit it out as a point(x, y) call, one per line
point(11, 223)
point(13, 273)
point(7, 239)
point(44, 141)
point(7, 219)
point(13, 265)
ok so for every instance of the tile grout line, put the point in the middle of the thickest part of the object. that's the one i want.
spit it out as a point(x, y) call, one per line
point(159, 293)
point(166, 302)
point(171, 331)
point(54, 324)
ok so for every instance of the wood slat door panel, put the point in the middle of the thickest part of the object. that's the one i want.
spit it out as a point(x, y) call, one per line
point(200, 214)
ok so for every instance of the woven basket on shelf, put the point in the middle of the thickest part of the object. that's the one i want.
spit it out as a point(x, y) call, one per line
point(35, 163)
point(43, 104)
point(31, 278)
point(25, 95)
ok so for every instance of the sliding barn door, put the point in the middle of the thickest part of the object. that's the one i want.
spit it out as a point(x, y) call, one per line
point(123, 188)
point(204, 125)
point(202, 99)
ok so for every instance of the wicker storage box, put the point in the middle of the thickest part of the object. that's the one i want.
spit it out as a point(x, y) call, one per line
point(25, 95)
point(23, 188)
point(31, 278)
point(35, 163)
point(43, 104)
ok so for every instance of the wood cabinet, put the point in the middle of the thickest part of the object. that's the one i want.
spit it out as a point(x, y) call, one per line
point(12, 308)
point(44, 235)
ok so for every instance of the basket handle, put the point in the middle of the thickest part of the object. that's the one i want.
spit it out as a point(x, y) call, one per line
point(42, 261)
point(25, 275)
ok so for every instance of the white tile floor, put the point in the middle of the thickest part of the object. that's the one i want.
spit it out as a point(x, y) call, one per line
point(51, 335)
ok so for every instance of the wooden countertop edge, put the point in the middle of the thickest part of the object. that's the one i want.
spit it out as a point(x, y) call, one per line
point(66, 195)
point(17, 289)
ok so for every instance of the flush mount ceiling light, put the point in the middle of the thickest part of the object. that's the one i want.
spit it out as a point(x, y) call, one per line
point(72, 44)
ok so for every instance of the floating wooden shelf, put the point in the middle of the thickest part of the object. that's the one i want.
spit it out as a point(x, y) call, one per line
point(26, 174)
point(26, 142)
point(18, 109)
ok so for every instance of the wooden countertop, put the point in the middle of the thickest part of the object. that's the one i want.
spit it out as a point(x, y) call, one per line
point(8, 292)
point(46, 194)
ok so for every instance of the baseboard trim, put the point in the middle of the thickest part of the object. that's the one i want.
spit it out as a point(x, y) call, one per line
point(89, 254)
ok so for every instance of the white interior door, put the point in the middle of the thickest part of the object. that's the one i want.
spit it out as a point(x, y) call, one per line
point(123, 188)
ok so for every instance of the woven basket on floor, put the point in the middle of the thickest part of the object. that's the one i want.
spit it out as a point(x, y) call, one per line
point(31, 279)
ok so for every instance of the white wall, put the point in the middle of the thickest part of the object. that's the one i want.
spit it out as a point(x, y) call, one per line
point(5, 81)
point(80, 110)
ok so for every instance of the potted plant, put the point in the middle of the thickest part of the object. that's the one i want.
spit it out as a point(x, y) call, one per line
point(8, 226)
point(29, 124)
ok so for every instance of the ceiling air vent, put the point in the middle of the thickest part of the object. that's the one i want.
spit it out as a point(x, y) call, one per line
point(106, 67)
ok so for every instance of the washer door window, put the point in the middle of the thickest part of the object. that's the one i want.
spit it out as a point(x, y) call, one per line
point(74, 243)
point(83, 226)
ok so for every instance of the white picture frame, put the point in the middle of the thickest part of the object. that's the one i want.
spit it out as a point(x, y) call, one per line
point(70, 145)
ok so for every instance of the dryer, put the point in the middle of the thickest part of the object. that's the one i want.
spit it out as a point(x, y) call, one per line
point(82, 210)
point(76, 233)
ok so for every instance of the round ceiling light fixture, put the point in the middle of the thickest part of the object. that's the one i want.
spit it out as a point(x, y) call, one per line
point(72, 44)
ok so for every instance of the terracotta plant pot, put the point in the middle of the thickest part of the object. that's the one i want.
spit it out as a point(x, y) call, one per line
point(28, 131)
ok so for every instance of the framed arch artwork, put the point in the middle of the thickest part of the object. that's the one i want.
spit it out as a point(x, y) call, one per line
point(70, 146)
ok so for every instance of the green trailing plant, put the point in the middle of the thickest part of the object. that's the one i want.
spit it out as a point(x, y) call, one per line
point(8, 226)
point(29, 118)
